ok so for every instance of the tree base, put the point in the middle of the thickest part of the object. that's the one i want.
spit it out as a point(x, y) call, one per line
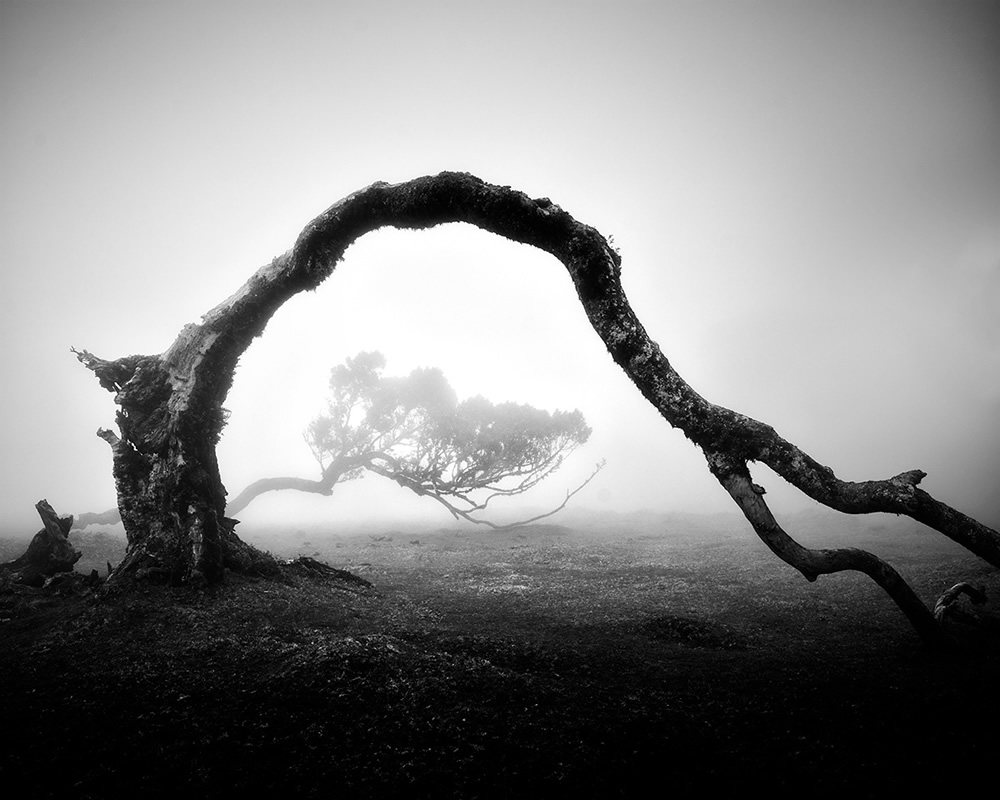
point(144, 563)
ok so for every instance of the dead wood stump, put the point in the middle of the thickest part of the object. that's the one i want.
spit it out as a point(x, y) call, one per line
point(49, 552)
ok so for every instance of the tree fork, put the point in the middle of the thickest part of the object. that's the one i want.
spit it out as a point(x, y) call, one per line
point(735, 479)
point(172, 413)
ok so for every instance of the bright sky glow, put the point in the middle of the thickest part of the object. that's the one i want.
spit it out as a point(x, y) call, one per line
point(806, 197)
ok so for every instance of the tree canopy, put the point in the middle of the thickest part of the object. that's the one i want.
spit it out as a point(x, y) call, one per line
point(413, 430)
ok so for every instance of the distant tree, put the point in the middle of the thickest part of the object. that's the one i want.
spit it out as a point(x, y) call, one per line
point(170, 417)
point(414, 431)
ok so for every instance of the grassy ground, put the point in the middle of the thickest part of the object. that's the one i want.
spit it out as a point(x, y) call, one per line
point(603, 660)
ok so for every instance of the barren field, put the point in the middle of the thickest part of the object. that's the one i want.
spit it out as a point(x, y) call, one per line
point(606, 658)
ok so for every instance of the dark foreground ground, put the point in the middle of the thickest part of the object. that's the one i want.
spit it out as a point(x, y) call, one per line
point(546, 662)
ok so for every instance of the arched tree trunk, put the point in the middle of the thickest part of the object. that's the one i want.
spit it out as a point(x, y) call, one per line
point(170, 493)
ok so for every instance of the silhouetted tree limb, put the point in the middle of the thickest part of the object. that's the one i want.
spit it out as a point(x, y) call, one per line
point(171, 405)
point(277, 484)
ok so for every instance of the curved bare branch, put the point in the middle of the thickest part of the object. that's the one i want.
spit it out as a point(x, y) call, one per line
point(277, 484)
point(332, 475)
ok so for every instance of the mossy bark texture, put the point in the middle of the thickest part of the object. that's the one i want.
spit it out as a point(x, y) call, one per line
point(170, 493)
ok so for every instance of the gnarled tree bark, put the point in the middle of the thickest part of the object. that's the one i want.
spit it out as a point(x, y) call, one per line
point(172, 499)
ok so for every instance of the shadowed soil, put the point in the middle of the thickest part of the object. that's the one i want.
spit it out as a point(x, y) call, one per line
point(544, 662)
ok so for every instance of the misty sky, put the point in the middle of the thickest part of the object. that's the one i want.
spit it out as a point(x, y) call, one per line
point(806, 197)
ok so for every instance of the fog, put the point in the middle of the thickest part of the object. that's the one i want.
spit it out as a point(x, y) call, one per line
point(806, 198)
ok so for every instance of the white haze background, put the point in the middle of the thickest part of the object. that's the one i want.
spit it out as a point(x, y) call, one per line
point(806, 197)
